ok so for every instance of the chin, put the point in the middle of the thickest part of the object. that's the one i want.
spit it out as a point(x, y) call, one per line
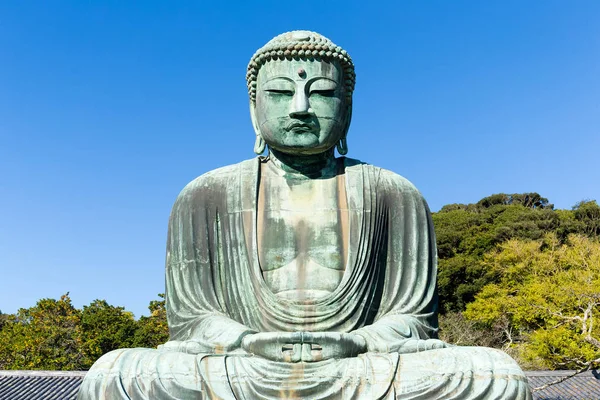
point(311, 146)
point(304, 151)
point(297, 147)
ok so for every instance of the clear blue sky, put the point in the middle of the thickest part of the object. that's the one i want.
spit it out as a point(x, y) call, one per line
point(108, 108)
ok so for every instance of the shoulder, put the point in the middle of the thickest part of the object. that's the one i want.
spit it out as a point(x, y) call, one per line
point(397, 192)
point(386, 181)
point(217, 181)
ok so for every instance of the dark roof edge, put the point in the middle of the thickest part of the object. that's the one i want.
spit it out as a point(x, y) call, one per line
point(591, 373)
point(42, 373)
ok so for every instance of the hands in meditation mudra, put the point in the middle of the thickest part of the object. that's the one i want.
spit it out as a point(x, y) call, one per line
point(299, 274)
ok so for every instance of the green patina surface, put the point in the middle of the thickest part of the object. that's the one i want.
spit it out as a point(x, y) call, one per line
point(298, 274)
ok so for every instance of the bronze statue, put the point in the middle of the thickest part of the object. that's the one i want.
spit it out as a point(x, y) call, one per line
point(302, 275)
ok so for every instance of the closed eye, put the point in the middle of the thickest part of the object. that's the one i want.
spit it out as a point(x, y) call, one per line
point(280, 91)
point(324, 93)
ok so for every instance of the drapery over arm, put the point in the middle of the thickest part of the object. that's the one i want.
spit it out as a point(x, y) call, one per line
point(408, 307)
point(195, 311)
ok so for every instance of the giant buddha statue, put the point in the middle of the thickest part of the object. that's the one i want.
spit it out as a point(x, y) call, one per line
point(300, 275)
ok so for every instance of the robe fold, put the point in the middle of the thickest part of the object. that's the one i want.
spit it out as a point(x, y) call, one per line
point(216, 295)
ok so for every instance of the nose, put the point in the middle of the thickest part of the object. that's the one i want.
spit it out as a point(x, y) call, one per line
point(300, 105)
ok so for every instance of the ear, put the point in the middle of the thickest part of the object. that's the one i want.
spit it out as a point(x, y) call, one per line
point(259, 144)
point(347, 120)
point(253, 118)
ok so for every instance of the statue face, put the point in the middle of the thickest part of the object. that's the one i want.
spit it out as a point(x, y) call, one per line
point(300, 105)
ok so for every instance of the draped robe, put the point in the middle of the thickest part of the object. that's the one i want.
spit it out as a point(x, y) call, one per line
point(216, 295)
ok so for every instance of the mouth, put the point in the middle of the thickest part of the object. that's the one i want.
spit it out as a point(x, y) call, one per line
point(300, 127)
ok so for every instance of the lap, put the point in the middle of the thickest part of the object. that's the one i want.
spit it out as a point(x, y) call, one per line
point(156, 374)
point(460, 372)
point(457, 372)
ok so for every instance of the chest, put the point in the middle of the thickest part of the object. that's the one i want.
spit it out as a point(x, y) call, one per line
point(302, 223)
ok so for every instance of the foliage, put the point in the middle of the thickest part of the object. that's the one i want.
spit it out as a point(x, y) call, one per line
point(153, 330)
point(3, 319)
point(456, 329)
point(549, 293)
point(587, 214)
point(54, 335)
point(42, 337)
point(104, 328)
point(465, 232)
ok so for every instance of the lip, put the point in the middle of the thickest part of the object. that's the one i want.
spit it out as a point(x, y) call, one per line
point(300, 127)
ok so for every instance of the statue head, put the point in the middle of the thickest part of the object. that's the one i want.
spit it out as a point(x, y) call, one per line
point(300, 86)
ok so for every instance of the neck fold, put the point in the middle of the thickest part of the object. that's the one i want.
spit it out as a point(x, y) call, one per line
point(308, 166)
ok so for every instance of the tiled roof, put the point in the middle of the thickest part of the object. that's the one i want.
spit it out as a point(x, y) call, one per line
point(40, 385)
point(585, 386)
point(59, 385)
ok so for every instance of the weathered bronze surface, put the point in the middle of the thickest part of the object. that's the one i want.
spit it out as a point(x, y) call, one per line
point(302, 275)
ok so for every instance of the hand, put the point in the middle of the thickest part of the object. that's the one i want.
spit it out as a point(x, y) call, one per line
point(419, 345)
point(304, 346)
point(271, 345)
point(318, 346)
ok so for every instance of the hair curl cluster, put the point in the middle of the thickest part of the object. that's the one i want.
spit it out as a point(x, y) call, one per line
point(300, 45)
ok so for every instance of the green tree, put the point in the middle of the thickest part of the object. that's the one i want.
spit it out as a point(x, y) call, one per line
point(42, 337)
point(587, 213)
point(104, 328)
point(3, 319)
point(465, 232)
point(457, 330)
point(153, 330)
point(54, 335)
point(527, 200)
point(547, 293)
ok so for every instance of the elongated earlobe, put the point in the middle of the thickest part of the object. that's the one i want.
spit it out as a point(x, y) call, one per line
point(259, 145)
point(342, 147)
